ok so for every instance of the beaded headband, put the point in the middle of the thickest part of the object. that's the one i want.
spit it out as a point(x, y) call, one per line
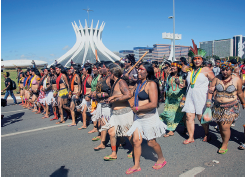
point(227, 65)
point(176, 65)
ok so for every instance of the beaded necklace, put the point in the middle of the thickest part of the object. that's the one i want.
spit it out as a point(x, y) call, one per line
point(225, 82)
point(193, 77)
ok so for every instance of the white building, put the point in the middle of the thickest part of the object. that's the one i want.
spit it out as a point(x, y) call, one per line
point(88, 46)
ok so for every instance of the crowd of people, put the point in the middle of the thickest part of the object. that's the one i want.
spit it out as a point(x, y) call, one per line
point(122, 99)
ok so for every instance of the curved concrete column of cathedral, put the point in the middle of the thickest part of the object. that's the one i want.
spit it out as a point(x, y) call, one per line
point(88, 45)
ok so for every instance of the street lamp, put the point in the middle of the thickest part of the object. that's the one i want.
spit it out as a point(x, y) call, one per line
point(173, 17)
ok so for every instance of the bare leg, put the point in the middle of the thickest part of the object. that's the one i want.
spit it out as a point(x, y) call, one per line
point(60, 109)
point(84, 117)
point(205, 128)
point(225, 134)
point(157, 149)
point(72, 107)
point(137, 150)
point(111, 133)
point(190, 123)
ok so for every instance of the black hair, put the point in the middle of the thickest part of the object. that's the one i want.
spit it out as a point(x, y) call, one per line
point(7, 74)
point(52, 67)
point(155, 62)
point(47, 69)
point(62, 68)
point(233, 61)
point(108, 63)
point(131, 58)
point(168, 62)
point(22, 74)
point(32, 69)
point(96, 65)
point(101, 64)
point(112, 65)
point(151, 76)
point(88, 69)
point(183, 59)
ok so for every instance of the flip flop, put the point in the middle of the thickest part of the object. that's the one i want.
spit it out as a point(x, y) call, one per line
point(70, 125)
point(241, 147)
point(225, 151)
point(162, 165)
point(133, 170)
point(109, 158)
point(187, 142)
point(129, 155)
point(91, 132)
point(98, 149)
point(54, 119)
point(60, 122)
point(45, 117)
point(96, 139)
point(81, 128)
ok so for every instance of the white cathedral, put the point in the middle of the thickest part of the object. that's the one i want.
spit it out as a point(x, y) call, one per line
point(88, 46)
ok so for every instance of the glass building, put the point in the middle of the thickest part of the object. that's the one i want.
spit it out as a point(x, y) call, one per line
point(161, 51)
point(139, 52)
point(123, 53)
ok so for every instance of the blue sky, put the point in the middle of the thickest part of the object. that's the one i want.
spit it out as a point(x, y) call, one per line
point(42, 30)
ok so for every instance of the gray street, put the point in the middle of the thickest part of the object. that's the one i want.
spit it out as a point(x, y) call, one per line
point(35, 147)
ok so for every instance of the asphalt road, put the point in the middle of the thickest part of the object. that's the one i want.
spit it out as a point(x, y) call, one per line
point(35, 147)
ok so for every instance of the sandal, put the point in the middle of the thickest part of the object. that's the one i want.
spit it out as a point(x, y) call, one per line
point(224, 151)
point(98, 148)
point(60, 122)
point(130, 170)
point(92, 131)
point(45, 117)
point(129, 155)
point(241, 147)
point(207, 138)
point(96, 138)
point(187, 142)
point(162, 165)
point(82, 128)
point(109, 158)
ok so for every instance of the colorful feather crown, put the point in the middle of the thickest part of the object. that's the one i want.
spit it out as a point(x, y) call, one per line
point(194, 52)
point(226, 65)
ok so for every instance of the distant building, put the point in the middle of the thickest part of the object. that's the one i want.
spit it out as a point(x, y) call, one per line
point(123, 53)
point(139, 51)
point(161, 51)
point(225, 47)
point(239, 46)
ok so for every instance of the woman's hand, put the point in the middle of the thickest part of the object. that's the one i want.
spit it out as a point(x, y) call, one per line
point(110, 99)
point(208, 105)
point(181, 85)
point(134, 110)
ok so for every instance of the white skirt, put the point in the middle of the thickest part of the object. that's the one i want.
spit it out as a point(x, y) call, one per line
point(121, 120)
point(149, 126)
point(101, 112)
point(49, 97)
point(83, 104)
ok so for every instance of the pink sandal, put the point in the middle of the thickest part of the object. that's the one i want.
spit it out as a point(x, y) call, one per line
point(133, 170)
point(162, 165)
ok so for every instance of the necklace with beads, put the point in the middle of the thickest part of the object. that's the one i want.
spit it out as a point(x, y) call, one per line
point(194, 76)
point(225, 82)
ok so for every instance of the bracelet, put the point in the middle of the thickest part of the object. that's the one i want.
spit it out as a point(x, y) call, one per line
point(103, 94)
point(137, 108)
point(243, 104)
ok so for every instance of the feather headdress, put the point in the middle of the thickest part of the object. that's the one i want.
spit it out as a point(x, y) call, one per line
point(194, 52)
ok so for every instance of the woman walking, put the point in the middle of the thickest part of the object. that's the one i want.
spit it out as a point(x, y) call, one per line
point(21, 86)
point(53, 78)
point(226, 107)
point(195, 104)
point(172, 114)
point(147, 124)
point(62, 87)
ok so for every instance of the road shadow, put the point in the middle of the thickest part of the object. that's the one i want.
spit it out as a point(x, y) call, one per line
point(12, 119)
point(61, 172)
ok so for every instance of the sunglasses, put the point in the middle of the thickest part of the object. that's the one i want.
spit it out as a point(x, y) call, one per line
point(127, 61)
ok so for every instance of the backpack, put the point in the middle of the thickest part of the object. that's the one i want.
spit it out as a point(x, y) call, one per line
point(13, 85)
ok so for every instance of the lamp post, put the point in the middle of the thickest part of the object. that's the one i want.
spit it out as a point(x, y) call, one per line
point(173, 17)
